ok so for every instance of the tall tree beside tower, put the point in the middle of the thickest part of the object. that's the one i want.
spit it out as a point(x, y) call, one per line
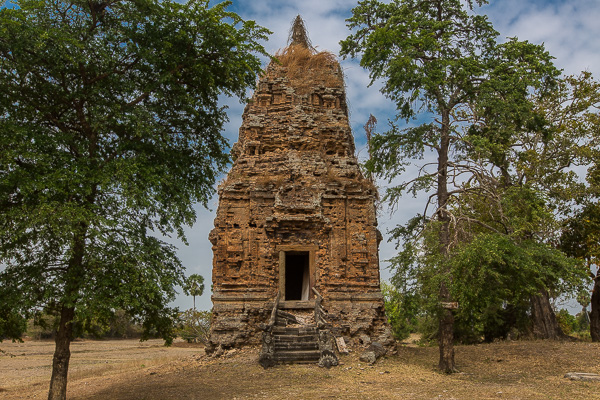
point(110, 130)
point(439, 60)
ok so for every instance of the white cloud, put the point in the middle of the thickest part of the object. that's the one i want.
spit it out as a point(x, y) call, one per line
point(568, 29)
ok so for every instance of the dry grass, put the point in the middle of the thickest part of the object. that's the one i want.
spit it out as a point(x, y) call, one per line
point(306, 68)
point(298, 58)
point(28, 369)
point(101, 368)
point(525, 370)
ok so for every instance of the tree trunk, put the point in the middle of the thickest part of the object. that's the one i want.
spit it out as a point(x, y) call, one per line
point(595, 312)
point(446, 335)
point(73, 280)
point(62, 354)
point(446, 323)
point(545, 325)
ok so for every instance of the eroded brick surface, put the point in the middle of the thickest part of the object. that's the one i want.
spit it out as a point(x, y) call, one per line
point(295, 185)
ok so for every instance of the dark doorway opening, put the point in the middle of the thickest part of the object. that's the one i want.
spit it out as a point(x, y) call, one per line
point(297, 268)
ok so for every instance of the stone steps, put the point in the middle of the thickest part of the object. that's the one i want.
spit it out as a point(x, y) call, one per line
point(295, 345)
point(294, 338)
point(296, 356)
point(287, 331)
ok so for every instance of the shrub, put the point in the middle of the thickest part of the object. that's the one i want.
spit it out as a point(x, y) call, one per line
point(567, 322)
point(194, 326)
point(583, 321)
point(43, 326)
point(401, 310)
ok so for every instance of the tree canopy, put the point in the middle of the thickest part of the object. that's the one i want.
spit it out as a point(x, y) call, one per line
point(194, 285)
point(110, 129)
point(478, 105)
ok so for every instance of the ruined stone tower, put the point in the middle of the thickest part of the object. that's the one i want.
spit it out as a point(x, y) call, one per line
point(295, 212)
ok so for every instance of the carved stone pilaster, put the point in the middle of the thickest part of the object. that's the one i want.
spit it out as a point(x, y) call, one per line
point(328, 358)
point(266, 358)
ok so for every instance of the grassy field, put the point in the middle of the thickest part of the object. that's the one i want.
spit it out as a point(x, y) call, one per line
point(128, 369)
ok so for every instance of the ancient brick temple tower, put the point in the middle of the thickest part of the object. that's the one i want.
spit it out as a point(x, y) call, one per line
point(295, 212)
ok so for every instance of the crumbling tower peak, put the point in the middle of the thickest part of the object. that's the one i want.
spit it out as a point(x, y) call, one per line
point(298, 35)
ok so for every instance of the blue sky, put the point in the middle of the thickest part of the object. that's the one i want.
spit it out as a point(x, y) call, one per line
point(570, 31)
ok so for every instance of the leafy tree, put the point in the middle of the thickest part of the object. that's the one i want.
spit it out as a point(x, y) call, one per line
point(567, 322)
point(110, 132)
point(195, 326)
point(581, 239)
point(439, 59)
point(402, 309)
point(495, 276)
point(11, 323)
point(513, 265)
point(119, 325)
point(581, 235)
point(562, 135)
point(532, 188)
point(583, 323)
point(194, 285)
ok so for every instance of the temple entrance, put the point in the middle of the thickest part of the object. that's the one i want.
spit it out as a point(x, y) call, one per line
point(297, 273)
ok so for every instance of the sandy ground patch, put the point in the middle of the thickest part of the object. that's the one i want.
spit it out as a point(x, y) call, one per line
point(123, 370)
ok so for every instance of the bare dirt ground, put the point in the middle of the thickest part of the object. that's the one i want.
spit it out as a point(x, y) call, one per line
point(128, 369)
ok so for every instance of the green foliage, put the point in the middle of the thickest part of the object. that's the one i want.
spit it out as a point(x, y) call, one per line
point(493, 279)
point(118, 325)
point(581, 239)
point(582, 326)
point(559, 133)
point(194, 285)
point(402, 309)
point(567, 322)
point(581, 236)
point(42, 327)
point(418, 274)
point(110, 132)
point(577, 325)
point(425, 51)
point(194, 326)
point(12, 325)
point(505, 129)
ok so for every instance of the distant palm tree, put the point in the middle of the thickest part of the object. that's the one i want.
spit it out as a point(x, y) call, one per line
point(194, 285)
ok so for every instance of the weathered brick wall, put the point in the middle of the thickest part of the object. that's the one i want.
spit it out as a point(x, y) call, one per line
point(295, 183)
